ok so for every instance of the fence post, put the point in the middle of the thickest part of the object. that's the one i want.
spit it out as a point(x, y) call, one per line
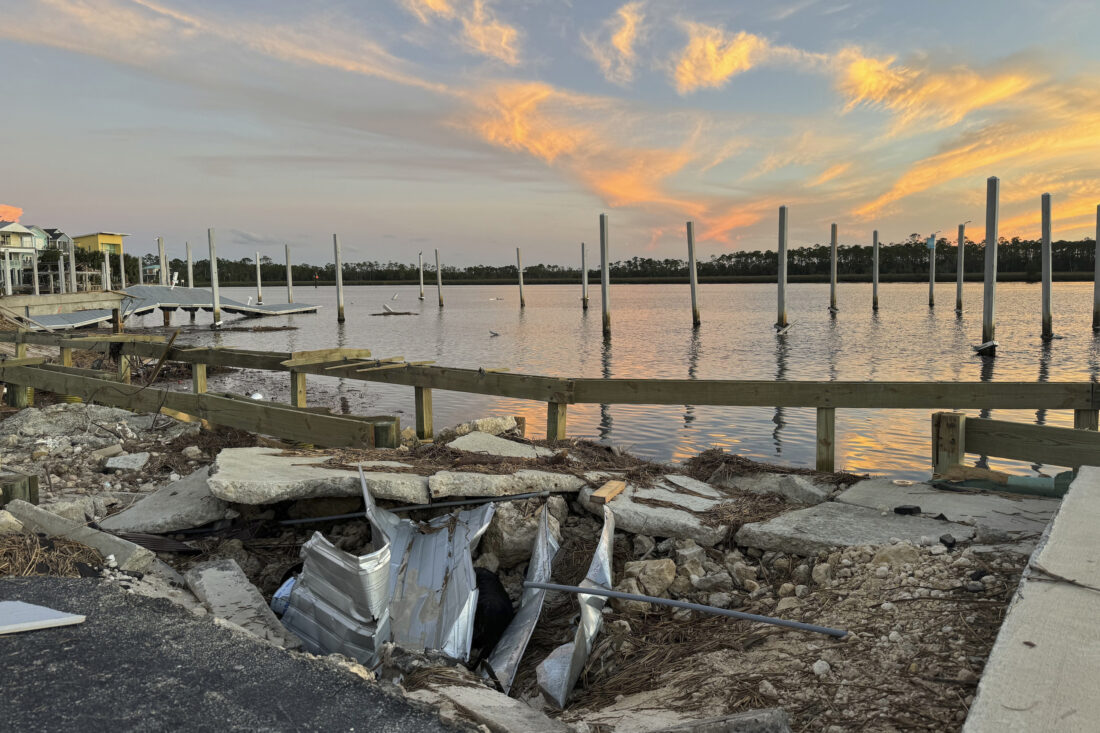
point(960, 271)
point(198, 378)
point(34, 264)
point(1086, 419)
point(438, 279)
point(948, 440)
point(555, 420)
point(693, 278)
point(423, 402)
point(163, 260)
point(826, 439)
point(259, 282)
point(17, 393)
point(297, 388)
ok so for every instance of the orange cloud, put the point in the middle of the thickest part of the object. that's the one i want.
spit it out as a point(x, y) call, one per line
point(424, 9)
point(10, 213)
point(620, 32)
point(829, 174)
point(485, 34)
point(711, 57)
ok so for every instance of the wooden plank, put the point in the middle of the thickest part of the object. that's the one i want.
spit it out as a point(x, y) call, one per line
point(1034, 443)
point(298, 389)
point(299, 358)
point(555, 420)
point(422, 397)
point(94, 373)
point(1086, 419)
point(24, 361)
point(238, 358)
point(608, 491)
point(826, 439)
point(520, 386)
point(907, 395)
point(948, 440)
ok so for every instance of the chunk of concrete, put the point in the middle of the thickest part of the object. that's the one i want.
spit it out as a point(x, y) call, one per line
point(511, 533)
point(666, 510)
point(181, 504)
point(226, 591)
point(78, 509)
point(794, 487)
point(128, 462)
point(459, 483)
point(998, 518)
point(8, 523)
point(808, 531)
point(264, 476)
point(767, 720)
point(477, 442)
point(489, 425)
point(497, 712)
point(128, 555)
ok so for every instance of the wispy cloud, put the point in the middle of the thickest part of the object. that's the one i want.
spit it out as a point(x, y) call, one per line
point(614, 47)
point(712, 56)
point(426, 9)
point(833, 171)
point(482, 32)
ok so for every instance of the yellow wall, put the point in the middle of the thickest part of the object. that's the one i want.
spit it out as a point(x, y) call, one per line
point(100, 243)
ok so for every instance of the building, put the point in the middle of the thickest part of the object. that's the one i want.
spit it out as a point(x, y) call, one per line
point(59, 240)
point(41, 238)
point(16, 252)
point(110, 242)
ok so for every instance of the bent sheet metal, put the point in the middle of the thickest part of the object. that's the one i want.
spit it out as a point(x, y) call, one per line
point(558, 673)
point(504, 661)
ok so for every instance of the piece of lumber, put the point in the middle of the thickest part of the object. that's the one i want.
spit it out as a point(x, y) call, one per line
point(608, 491)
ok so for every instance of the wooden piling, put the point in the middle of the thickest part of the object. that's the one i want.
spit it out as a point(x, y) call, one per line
point(121, 271)
point(693, 277)
point(519, 269)
point(948, 440)
point(874, 270)
point(107, 271)
point(339, 279)
point(289, 277)
point(163, 261)
point(959, 268)
point(555, 420)
point(34, 265)
point(61, 273)
point(422, 398)
point(49, 274)
point(605, 275)
point(72, 268)
point(7, 273)
point(832, 268)
point(420, 267)
point(932, 273)
point(214, 279)
point(198, 378)
point(297, 388)
point(1048, 325)
point(989, 307)
point(584, 278)
point(826, 439)
point(190, 271)
point(1096, 276)
point(259, 282)
point(438, 279)
point(781, 271)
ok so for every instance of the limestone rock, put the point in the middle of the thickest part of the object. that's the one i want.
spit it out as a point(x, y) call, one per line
point(720, 582)
point(192, 453)
point(488, 425)
point(8, 523)
point(109, 452)
point(512, 531)
point(630, 585)
point(459, 483)
point(788, 604)
point(79, 509)
point(128, 462)
point(478, 442)
point(896, 555)
point(180, 505)
point(655, 576)
point(822, 573)
point(742, 572)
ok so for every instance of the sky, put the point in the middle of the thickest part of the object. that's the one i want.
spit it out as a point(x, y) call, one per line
point(475, 126)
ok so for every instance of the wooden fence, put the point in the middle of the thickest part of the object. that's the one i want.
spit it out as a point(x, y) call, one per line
point(558, 393)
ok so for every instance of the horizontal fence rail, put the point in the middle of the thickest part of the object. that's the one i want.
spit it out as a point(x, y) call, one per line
point(1081, 397)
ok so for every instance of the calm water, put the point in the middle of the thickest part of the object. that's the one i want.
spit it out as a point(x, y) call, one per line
point(652, 338)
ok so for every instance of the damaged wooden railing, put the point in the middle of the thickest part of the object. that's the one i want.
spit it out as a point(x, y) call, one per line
point(558, 393)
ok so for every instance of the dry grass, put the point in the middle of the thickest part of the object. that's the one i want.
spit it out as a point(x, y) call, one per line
point(715, 464)
point(23, 555)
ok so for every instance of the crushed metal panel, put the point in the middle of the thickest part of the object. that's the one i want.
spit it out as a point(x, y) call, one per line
point(433, 589)
point(506, 656)
point(558, 673)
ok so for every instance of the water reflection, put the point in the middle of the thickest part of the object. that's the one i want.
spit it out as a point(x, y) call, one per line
point(605, 410)
point(693, 370)
point(986, 375)
point(782, 353)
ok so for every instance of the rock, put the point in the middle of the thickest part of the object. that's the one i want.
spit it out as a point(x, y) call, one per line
point(192, 453)
point(720, 600)
point(689, 558)
point(8, 523)
point(655, 576)
point(680, 587)
point(821, 668)
point(478, 442)
point(262, 476)
point(820, 528)
point(822, 573)
point(767, 689)
point(488, 561)
point(785, 590)
point(184, 504)
point(720, 582)
point(801, 591)
point(490, 709)
point(767, 720)
point(796, 488)
point(458, 483)
point(658, 517)
point(896, 555)
point(742, 572)
point(643, 545)
point(787, 604)
point(78, 510)
point(975, 586)
point(882, 572)
point(512, 530)
point(488, 425)
point(559, 508)
point(225, 590)
point(801, 573)
point(109, 452)
point(128, 462)
point(36, 519)
point(630, 585)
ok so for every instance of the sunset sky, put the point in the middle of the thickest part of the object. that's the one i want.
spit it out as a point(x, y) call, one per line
point(477, 126)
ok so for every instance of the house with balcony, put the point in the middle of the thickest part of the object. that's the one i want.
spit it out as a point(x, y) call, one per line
point(58, 240)
point(16, 253)
point(109, 242)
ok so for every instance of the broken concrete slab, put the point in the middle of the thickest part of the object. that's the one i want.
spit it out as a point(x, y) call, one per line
point(79, 509)
point(488, 425)
point(768, 720)
point(181, 504)
point(226, 591)
point(666, 510)
point(491, 709)
point(794, 487)
point(128, 555)
point(511, 533)
point(997, 517)
point(8, 523)
point(478, 442)
point(264, 476)
point(384, 464)
point(128, 462)
point(459, 483)
point(823, 527)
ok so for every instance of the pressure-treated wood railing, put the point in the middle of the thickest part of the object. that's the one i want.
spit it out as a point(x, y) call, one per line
point(424, 377)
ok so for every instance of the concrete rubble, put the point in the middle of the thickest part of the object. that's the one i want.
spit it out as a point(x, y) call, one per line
point(478, 442)
point(127, 462)
point(225, 590)
point(798, 489)
point(664, 510)
point(180, 505)
point(447, 484)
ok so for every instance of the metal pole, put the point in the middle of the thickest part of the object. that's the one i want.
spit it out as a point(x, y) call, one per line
point(420, 267)
point(693, 277)
point(103, 274)
point(107, 271)
point(597, 591)
point(989, 310)
point(190, 268)
point(605, 275)
point(959, 268)
point(932, 273)
point(832, 269)
point(289, 277)
point(121, 270)
point(34, 265)
point(438, 279)
point(519, 268)
point(259, 283)
point(1048, 326)
point(874, 270)
point(584, 278)
point(781, 271)
point(7, 273)
point(214, 279)
point(339, 280)
point(163, 261)
point(60, 271)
